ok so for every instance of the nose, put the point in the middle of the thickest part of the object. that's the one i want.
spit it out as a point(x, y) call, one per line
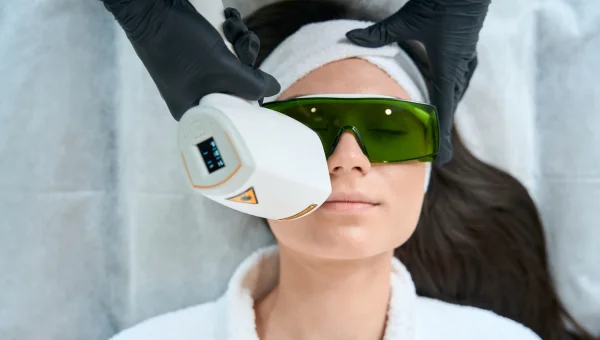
point(348, 157)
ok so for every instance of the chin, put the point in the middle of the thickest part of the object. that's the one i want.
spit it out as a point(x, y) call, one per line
point(348, 242)
point(343, 237)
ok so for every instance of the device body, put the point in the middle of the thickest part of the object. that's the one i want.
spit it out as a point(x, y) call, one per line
point(252, 159)
point(249, 158)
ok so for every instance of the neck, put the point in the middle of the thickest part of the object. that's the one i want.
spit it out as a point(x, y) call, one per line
point(320, 299)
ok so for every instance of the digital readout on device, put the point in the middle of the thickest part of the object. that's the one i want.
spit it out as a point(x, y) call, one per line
point(211, 155)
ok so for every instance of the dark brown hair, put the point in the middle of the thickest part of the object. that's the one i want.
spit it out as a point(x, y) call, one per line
point(479, 241)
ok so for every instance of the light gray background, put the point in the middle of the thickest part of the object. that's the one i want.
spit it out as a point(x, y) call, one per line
point(99, 229)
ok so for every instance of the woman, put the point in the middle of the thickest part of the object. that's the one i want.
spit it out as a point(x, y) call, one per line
point(333, 275)
point(479, 241)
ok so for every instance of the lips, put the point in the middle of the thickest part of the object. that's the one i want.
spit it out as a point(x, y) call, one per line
point(349, 198)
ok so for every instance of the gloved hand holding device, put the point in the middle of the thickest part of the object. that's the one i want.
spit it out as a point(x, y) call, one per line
point(187, 57)
point(234, 152)
point(449, 30)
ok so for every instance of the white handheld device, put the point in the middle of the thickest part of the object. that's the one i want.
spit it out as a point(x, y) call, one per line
point(249, 158)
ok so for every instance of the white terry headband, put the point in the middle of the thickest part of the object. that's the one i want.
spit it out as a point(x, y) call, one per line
point(315, 45)
point(318, 44)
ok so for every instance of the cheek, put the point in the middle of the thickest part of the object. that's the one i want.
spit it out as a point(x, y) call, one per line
point(404, 194)
point(302, 234)
point(405, 181)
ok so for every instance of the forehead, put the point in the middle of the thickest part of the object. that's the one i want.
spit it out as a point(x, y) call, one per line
point(346, 76)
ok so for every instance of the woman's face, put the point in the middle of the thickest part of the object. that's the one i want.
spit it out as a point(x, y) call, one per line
point(395, 192)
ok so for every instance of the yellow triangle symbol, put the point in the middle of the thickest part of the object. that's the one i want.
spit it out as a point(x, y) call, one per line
point(248, 197)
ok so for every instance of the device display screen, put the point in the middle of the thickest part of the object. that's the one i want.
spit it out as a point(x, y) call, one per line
point(211, 155)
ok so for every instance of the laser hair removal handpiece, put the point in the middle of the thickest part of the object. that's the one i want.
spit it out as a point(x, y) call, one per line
point(250, 158)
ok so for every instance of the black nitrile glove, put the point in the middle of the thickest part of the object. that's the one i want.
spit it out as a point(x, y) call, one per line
point(449, 30)
point(187, 57)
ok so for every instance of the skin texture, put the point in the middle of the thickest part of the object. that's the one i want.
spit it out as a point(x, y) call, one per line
point(335, 264)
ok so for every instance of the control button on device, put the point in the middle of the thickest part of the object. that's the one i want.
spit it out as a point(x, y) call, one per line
point(248, 197)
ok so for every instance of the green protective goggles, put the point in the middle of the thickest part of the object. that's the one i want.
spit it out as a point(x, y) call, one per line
point(387, 129)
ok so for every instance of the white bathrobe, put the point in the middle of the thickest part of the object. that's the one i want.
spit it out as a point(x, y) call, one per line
point(410, 317)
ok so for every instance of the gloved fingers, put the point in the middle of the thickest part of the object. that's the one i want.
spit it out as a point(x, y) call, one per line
point(135, 16)
point(442, 90)
point(254, 84)
point(233, 27)
point(446, 150)
point(247, 47)
point(376, 35)
point(445, 106)
point(398, 27)
point(245, 43)
point(270, 86)
point(116, 6)
point(231, 12)
point(446, 121)
point(471, 67)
